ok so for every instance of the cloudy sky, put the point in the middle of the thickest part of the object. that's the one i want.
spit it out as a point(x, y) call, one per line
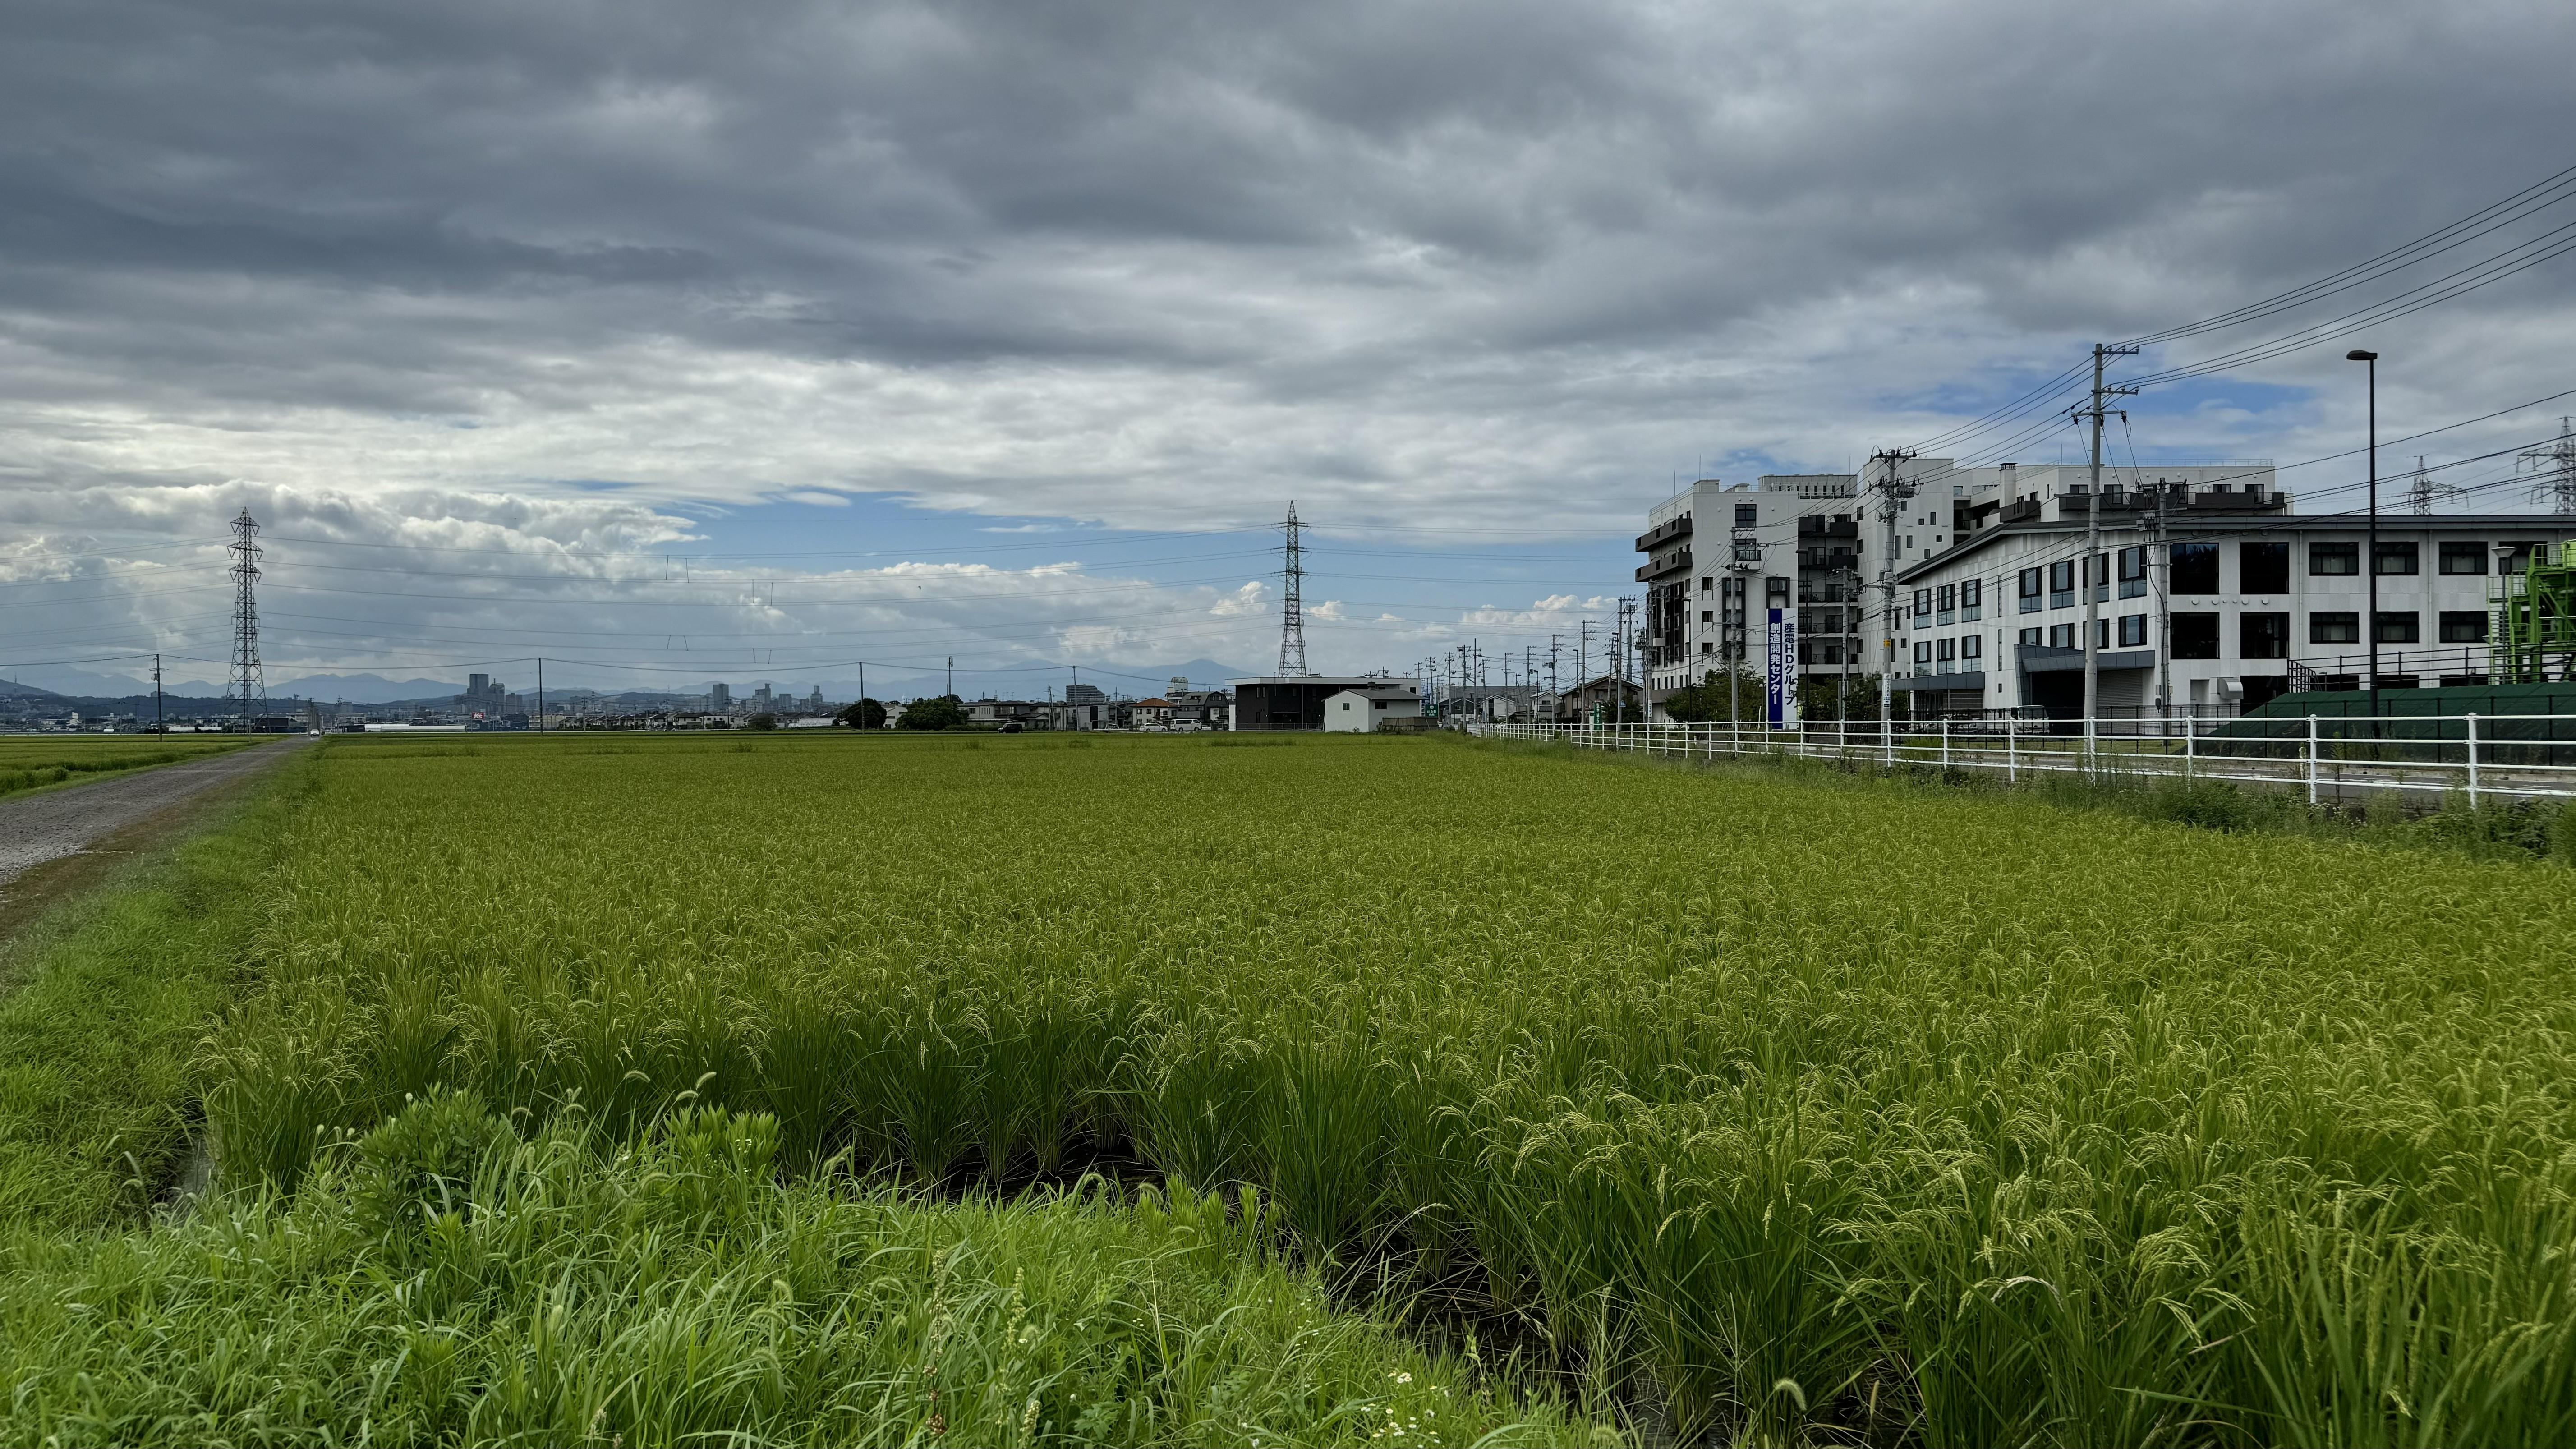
point(678, 342)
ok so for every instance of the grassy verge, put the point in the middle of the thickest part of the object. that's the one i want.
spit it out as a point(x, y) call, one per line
point(107, 1003)
point(443, 1281)
point(2493, 829)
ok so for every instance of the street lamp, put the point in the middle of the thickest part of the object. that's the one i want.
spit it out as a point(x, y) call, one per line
point(2370, 551)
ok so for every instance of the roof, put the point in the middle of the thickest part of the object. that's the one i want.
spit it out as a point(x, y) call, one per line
point(1334, 681)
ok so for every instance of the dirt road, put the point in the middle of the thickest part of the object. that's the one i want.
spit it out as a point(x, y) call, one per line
point(51, 824)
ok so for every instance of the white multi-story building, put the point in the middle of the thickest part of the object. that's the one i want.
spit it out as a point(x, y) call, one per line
point(2212, 594)
point(1720, 556)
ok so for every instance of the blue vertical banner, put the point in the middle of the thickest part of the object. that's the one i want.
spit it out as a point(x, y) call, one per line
point(1780, 670)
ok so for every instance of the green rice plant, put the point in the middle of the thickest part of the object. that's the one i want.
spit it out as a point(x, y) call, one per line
point(442, 1281)
point(1794, 1105)
point(32, 762)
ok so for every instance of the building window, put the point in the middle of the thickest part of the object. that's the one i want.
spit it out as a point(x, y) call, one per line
point(2195, 571)
point(2133, 630)
point(2464, 626)
point(2263, 568)
point(2061, 585)
point(2518, 556)
point(1922, 606)
point(1747, 515)
point(1949, 604)
point(1922, 651)
point(2394, 556)
point(1706, 583)
point(2133, 572)
point(2262, 636)
point(2101, 633)
point(1708, 616)
point(1970, 594)
point(2334, 626)
point(2333, 559)
point(2030, 591)
point(2030, 638)
point(1948, 651)
point(1708, 646)
point(2061, 636)
point(2195, 636)
point(2463, 558)
point(2397, 626)
point(1972, 648)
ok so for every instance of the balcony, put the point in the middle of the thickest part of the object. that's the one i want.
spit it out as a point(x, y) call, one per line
point(2223, 499)
point(1663, 533)
point(1672, 561)
point(2041, 659)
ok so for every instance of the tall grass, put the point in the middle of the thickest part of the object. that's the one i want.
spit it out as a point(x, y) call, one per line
point(104, 1005)
point(441, 1281)
point(1902, 1115)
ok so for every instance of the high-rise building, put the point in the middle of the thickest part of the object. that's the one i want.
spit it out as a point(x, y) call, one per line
point(719, 698)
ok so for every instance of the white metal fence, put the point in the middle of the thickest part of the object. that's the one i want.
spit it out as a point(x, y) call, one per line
point(2485, 757)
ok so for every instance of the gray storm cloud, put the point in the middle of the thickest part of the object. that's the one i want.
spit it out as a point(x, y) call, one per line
point(1159, 265)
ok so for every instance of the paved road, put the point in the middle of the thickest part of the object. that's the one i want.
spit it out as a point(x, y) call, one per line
point(53, 823)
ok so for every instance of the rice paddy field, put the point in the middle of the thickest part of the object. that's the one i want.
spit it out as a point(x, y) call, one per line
point(1234, 1088)
point(29, 762)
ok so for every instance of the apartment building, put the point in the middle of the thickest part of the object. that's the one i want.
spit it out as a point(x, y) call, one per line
point(1720, 557)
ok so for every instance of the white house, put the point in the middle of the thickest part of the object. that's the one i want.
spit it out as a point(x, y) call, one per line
point(1358, 710)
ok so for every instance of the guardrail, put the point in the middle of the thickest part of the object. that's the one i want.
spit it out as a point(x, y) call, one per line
point(2497, 756)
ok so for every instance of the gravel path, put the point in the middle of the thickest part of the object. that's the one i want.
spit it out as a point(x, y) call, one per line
point(53, 823)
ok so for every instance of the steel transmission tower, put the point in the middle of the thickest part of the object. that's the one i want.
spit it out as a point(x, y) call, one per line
point(246, 686)
point(2421, 491)
point(1292, 616)
point(2558, 460)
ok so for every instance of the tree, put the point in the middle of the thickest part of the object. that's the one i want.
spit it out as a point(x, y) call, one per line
point(763, 722)
point(942, 713)
point(867, 714)
point(1706, 701)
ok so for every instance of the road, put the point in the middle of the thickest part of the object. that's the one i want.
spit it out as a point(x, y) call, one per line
point(51, 824)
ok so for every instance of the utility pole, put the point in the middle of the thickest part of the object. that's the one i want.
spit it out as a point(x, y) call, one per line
point(2162, 561)
point(247, 683)
point(952, 674)
point(1582, 655)
point(1889, 496)
point(1619, 663)
point(2370, 550)
point(1629, 636)
point(2093, 590)
point(158, 727)
point(541, 693)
